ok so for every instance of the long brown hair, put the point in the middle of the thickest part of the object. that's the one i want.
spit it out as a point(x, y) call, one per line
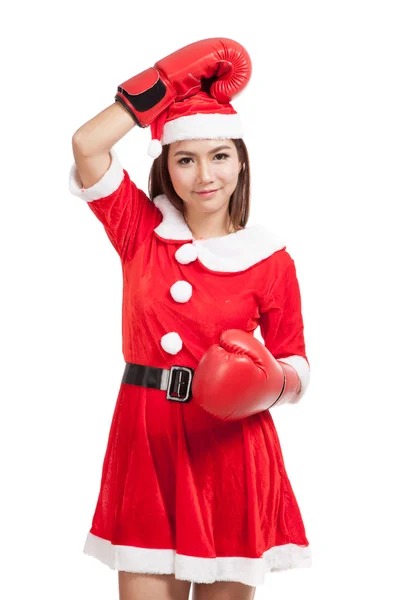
point(239, 204)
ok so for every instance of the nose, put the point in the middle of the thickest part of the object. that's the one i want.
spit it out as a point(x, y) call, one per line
point(205, 173)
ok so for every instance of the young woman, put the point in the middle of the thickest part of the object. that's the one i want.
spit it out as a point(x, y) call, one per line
point(194, 486)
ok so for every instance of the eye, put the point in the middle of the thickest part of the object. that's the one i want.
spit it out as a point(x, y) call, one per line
point(180, 162)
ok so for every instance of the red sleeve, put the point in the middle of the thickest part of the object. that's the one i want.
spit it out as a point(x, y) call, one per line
point(281, 320)
point(126, 212)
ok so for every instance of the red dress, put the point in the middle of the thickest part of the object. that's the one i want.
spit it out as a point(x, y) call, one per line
point(181, 491)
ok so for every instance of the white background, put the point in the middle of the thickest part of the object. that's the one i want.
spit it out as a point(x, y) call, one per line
point(322, 127)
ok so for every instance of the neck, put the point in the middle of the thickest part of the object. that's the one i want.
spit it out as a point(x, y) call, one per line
point(209, 226)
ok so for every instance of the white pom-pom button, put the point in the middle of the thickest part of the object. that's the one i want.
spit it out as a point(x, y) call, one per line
point(171, 343)
point(154, 148)
point(181, 291)
point(186, 254)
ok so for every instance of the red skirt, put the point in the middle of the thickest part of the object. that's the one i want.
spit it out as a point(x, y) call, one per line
point(183, 492)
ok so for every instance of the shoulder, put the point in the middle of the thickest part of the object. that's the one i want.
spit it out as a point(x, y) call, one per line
point(271, 247)
point(277, 266)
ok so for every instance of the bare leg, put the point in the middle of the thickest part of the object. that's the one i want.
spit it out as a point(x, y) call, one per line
point(223, 590)
point(142, 586)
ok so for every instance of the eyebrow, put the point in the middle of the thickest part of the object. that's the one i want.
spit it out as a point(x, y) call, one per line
point(194, 154)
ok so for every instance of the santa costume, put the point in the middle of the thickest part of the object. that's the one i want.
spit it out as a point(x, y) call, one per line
point(184, 491)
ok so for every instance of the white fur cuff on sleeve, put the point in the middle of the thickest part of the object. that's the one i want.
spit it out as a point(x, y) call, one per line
point(302, 369)
point(110, 181)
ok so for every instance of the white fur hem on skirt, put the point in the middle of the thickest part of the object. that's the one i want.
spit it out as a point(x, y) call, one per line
point(250, 571)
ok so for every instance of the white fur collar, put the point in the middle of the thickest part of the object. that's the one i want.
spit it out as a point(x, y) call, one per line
point(230, 253)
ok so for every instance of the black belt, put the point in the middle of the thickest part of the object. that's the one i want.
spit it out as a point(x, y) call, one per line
point(177, 381)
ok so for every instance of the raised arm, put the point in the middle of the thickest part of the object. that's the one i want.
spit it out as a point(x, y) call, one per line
point(91, 143)
point(98, 178)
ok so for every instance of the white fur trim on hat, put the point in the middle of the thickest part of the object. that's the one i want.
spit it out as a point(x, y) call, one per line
point(202, 126)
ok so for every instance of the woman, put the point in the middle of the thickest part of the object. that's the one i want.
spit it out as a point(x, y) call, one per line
point(194, 487)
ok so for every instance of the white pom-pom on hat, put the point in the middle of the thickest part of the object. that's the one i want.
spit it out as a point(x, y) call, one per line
point(154, 148)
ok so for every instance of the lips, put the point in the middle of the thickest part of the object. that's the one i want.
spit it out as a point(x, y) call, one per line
point(207, 192)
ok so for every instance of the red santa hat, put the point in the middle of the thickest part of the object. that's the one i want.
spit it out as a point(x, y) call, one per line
point(197, 117)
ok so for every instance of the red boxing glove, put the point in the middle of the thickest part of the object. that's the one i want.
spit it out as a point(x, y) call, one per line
point(240, 377)
point(179, 75)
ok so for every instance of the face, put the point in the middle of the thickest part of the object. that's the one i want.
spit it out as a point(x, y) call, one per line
point(197, 166)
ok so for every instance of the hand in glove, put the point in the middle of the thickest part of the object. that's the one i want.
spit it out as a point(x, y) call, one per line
point(239, 377)
point(179, 75)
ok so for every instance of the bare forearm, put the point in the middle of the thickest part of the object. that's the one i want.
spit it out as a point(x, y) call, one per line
point(101, 133)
